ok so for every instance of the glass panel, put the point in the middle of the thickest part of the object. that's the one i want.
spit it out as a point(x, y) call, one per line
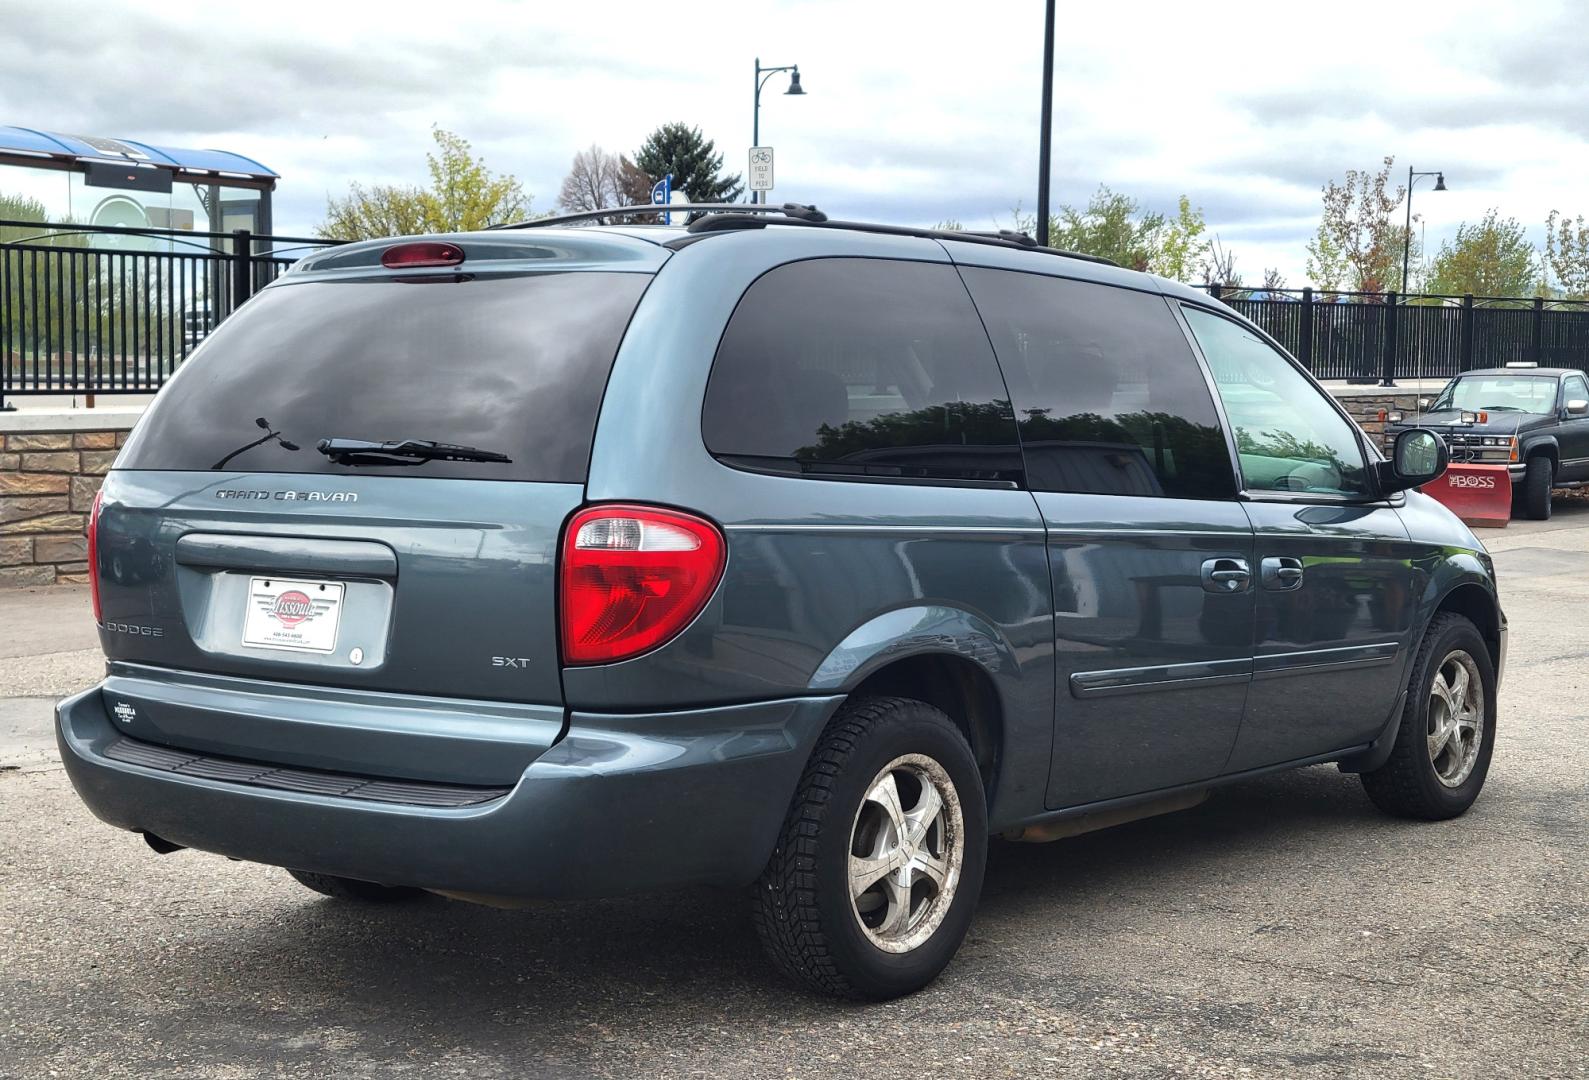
point(1499, 393)
point(861, 367)
point(1110, 396)
point(1288, 435)
point(512, 364)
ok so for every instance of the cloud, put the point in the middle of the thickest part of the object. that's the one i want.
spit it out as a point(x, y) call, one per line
point(914, 113)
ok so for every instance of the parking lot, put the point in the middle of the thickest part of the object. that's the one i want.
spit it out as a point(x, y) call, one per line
point(1283, 928)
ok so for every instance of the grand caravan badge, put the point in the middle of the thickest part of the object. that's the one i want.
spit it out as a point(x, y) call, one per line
point(287, 496)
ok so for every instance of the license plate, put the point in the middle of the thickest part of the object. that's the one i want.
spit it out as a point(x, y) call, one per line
point(290, 613)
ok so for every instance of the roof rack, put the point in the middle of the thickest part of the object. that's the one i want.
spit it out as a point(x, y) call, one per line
point(724, 217)
point(792, 210)
point(729, 220)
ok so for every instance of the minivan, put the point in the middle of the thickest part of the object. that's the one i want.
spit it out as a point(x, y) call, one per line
point(768, 552)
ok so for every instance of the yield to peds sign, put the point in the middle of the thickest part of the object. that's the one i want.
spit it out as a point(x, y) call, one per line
point(760, 168)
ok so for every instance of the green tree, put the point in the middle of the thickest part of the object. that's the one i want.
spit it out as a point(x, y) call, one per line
point(1567, 254)
point(1116, 227)
point(463, 195)
point(1183, 245)
point(1359, 244)
point(1490, 258)
point(693, 161)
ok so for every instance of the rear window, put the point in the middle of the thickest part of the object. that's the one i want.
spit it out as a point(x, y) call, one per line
point(513, 364)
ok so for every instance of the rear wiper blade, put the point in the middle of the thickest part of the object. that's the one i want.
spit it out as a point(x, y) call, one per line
point(401, 452)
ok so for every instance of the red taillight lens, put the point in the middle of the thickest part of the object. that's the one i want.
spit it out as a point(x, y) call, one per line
point(632, 578)
point(421, 253)
point(93, 556)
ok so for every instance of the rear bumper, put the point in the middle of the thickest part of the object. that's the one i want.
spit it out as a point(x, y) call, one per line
point(623, 803)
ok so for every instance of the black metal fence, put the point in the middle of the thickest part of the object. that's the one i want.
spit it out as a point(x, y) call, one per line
point(102, 310)
point(1382, 337)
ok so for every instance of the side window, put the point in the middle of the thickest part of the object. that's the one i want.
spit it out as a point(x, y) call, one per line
point(1574, 389)
point(1110, 397)
point(1288, 436)
point(860, 367)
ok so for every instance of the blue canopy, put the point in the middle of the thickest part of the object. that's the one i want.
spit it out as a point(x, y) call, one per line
point(27, 142)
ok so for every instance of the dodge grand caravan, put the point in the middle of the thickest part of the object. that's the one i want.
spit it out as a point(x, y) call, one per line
point(770, 552)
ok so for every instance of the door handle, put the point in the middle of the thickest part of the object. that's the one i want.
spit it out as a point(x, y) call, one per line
point(1281, 573)
point(1225, 575)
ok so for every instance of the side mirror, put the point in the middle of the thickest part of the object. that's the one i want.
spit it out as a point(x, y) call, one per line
point(1577, 407)
point(1417, 457)
point(1424, 403)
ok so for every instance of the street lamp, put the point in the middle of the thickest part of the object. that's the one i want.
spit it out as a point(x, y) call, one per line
point(1406, 239)
point(762, 75)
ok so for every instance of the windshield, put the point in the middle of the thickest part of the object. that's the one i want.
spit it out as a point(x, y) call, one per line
point(514, 365)
point(1499, 393)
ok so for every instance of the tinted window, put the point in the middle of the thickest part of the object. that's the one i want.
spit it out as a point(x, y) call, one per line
point(864, 367)
point(512, 364)
point(1110, 397)
point(1289, 437)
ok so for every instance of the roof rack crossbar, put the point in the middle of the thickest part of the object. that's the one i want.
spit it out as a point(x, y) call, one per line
point(791, 210)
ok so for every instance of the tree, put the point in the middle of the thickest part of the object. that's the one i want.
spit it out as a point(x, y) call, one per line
point(1273, 280)
point(463, 195)
point(1358, 242)
point(598, 180)
point(1567, 254)
point(1219, 266)
point(1490, 258)
point(1115, 227)
point(692, 160)
point(1182, 246)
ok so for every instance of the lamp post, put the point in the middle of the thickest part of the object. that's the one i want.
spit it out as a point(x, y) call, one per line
point(762, 75)
point(1406, 239)
point(1047, 121)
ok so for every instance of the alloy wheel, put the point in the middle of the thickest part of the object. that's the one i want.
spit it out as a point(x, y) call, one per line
point(906, 850)
point(1456, 718)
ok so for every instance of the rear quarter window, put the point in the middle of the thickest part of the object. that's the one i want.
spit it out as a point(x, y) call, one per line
point(515, 364)
point(864, 368)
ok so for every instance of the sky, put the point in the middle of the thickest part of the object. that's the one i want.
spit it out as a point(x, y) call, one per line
point(914, 113)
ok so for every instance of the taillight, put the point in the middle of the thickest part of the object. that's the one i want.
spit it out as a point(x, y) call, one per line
point(632, 578)
point(93, 556)
point(422, 253)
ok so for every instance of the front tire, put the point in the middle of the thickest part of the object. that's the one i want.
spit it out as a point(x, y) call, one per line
point(879, 866)
point(1447, 734)
point(1537, 482)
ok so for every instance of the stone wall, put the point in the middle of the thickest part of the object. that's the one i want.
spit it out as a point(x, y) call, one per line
point(47, 484)
point(1364, 408)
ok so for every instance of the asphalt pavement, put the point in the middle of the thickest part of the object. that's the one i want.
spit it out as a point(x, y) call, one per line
point(1284, 928)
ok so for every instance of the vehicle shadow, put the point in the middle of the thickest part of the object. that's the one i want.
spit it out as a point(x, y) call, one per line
point(562, 967)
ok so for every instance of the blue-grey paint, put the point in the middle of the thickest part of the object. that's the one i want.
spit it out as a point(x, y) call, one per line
point(1113, 672)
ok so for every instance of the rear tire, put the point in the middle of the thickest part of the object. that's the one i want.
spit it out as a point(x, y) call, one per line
point(1447, 733)
point(891, 790)
point(341, 888)
point(1537, 482)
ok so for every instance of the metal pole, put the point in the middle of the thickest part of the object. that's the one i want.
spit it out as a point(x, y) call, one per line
point(755, 121)
point(1406, 239)
point(1047, 123)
